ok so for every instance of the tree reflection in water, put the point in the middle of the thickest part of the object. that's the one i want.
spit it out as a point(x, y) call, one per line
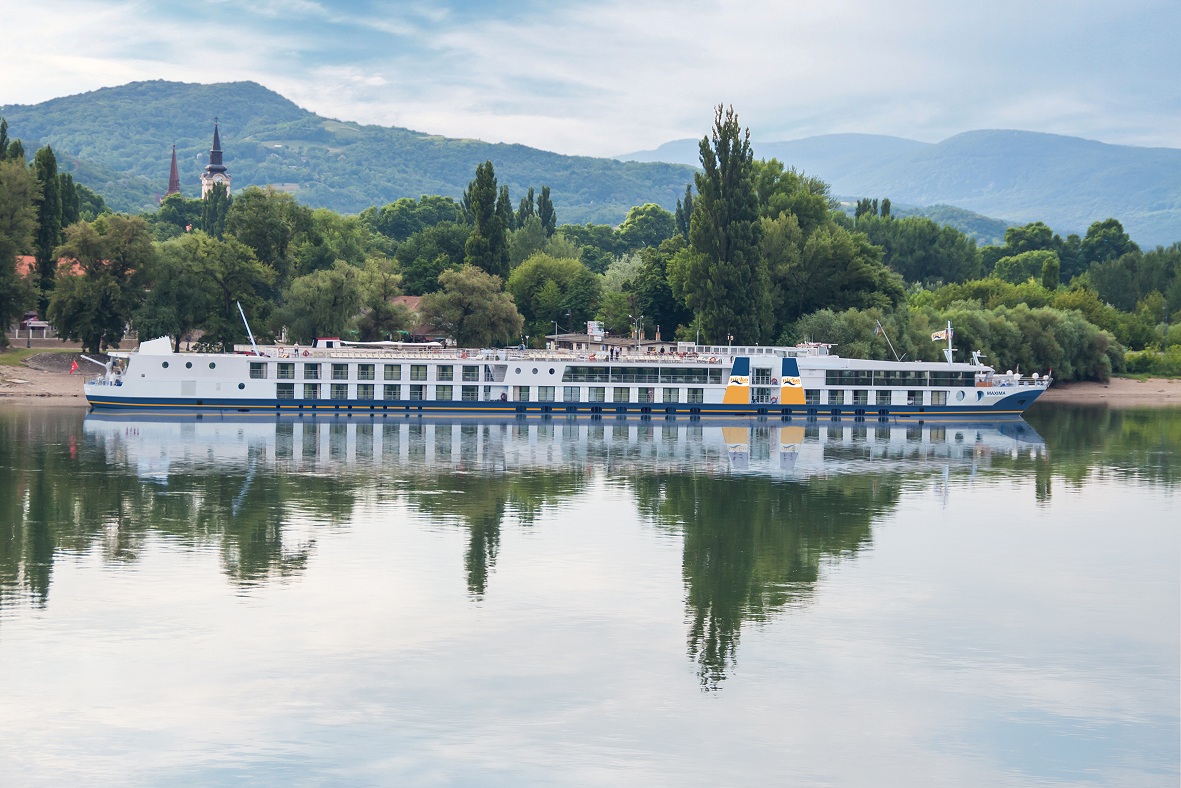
point(759, 508)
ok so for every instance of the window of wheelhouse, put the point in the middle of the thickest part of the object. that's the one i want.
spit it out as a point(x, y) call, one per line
point(258, 370)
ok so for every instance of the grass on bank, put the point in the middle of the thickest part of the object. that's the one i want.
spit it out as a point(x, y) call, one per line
point(15, 356)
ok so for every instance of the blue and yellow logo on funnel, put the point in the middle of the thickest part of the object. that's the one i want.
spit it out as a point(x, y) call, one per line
point(738, 389)
point(791, 387)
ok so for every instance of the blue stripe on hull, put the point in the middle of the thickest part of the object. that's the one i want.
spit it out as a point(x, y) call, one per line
point(1012, 405)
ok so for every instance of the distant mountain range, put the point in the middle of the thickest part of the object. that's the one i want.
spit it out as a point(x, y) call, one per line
point(118, 142)
point(1018, 176)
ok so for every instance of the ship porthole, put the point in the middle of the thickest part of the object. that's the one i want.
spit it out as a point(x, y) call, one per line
point(241, 386)
point(188, 365)
point(165, 365)
point(959, 395)
point(212, 365)
point(535, 370)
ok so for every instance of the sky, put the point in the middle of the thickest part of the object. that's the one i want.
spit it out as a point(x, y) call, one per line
point(604, 77)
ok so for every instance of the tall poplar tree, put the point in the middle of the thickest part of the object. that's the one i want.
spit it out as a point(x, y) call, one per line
point(49, 222)
point(487, 245)
point(214, 208)
point(727, 282)
point(546, 212)
point(685, 212)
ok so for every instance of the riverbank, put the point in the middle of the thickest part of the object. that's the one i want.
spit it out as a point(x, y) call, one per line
point(44, 379)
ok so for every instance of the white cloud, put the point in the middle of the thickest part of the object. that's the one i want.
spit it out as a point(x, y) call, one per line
point(605, 77)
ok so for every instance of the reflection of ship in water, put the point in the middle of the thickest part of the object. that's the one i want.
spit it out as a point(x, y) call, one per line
point(760, 506)
point(802, 449)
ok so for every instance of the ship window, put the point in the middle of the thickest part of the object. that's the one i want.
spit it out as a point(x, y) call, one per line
point(393, 371)
point(938, 397)
point(811, 396)
point(165, 365)
point(570, 393)
point(580, 374)
point(340, 391)
point(884, 397)
point(597, 394)
point(672, 395)
point(645, 394)
point(365, 371)
point(545, 394)
point(470, 393)
point(760, 395)
point(258, 370)
point(311, 371)
point(761, 377)
point(241, 386)
point(311, 391)
point(860, 397)
point(521, 393)
point(471, 374)
point(340, 371)
point(418, 392)
point(285, 390)
point(696, 395)
point(445, 372)
point(213, 365)
point(443, 393)
point(914, 398)
point(389, 391)
point(364, 391)
point(418, 371)
point(715, 376)
point(622, 393)
point(836, 397)
point(188, 365)
point(635, 374)
point(285, 371)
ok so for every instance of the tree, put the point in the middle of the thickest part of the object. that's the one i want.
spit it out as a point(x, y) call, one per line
point(728, 284)
point(49, 221)
point(381, 319)
point(528, 238)
point(427, 253)
point(651, 292)
point(1051, 270)
point(215, 207)
point(1105, 240)
point(404, 217)
point(1032, 237)
point(487, 245)
point(322, 303)
point(546, 212)
point(232, 275)
point(93, 305)
point(526, 209)
point(178, 298)
point(266, 220)
point(19, 191)
point(646, 226)
point(685, 213)
point(1025, 265)
point(547, 288)
point(473, 309)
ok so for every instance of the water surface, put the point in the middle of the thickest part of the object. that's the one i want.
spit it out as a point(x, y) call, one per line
point(371, 600)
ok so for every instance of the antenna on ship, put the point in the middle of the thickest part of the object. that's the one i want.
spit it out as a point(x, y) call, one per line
point(249, 333)
point(881, 330)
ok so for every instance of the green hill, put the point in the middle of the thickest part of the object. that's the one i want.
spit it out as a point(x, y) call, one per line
point(118, 142)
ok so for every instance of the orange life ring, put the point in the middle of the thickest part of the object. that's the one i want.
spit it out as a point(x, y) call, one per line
point(774, 381)
point(592, 356)
point(305, 354)
point(713, 359)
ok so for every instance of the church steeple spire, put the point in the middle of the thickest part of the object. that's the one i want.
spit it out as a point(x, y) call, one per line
point(173, 177)
point(215, 171)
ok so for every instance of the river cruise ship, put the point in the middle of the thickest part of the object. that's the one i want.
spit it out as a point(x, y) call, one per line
point(380, 379)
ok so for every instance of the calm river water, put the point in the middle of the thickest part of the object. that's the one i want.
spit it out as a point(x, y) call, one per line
point(616, 601)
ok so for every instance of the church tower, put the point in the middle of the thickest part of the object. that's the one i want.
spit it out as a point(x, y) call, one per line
point(215, 171)
point(173, 178)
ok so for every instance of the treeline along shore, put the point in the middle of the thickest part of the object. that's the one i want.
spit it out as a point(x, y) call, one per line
point(755, 252)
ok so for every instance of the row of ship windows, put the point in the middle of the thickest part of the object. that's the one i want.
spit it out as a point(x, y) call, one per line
point(285, 370)
point(859, 397)
point(369, 391)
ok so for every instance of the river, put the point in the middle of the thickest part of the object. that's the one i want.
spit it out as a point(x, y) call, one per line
point(613, 601)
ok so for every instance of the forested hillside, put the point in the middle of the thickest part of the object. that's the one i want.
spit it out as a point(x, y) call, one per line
point(1018, 176)
point(118, 142)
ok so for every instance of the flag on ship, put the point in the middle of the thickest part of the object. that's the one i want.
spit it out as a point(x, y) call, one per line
point(73, 366)
point(942, 335)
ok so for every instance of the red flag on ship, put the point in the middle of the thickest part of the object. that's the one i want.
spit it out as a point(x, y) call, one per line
point(73, 366)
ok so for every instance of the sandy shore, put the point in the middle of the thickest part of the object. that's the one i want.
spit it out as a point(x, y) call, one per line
point(43, 380)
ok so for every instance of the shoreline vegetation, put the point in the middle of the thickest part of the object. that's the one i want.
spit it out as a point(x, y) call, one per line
point(43, 380)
